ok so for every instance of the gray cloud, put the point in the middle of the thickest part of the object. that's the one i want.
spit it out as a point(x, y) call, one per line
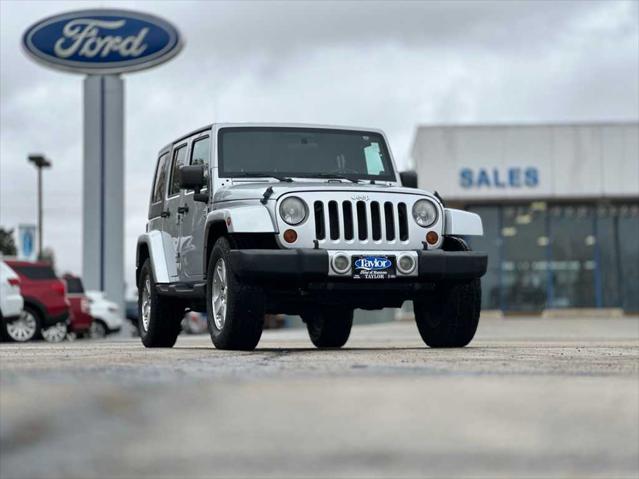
point(391, 65)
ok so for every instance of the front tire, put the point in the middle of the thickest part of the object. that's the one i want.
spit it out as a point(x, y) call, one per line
point(329, 327)
point(235, 311)
point(449, 318)
point(56, 333)
point(159, 317)
point(98, 329)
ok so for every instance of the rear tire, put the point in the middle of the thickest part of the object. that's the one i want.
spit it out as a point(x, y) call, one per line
point(55, 333)
point(159, 317)
point(329, 327)
point(235, 311)
point(449, 318)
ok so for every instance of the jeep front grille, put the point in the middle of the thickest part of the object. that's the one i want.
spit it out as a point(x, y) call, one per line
point(360, 220)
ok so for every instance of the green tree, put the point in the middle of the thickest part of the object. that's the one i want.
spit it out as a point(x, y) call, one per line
point(7, 243)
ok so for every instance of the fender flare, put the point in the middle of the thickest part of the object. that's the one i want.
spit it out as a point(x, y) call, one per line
point(163, 270)
point(462, 223)
point(251, 218)
point(247, 218)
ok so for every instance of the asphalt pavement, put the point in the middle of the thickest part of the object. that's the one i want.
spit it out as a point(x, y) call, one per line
point(528, 398)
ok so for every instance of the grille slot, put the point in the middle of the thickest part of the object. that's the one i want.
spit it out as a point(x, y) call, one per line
point(320, 229)
point(403, 221)
point(376, 221)
point(360, 221)
point(389, 218)
point(362, 233)
point(333, 219)
point(347, 212)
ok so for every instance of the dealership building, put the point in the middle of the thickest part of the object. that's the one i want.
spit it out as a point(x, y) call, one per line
point(559, 204)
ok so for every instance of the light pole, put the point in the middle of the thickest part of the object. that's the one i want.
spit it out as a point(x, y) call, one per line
point(39, 162)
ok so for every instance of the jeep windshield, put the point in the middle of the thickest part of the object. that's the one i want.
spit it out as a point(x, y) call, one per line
point(303, 153)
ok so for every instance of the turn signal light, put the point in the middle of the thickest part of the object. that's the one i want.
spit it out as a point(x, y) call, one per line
point(290, 236)
point(432, 237)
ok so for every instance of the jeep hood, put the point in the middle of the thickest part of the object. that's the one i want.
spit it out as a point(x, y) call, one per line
point(256, 190)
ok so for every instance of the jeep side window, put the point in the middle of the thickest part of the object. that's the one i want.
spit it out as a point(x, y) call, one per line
point(179, 159)
point(160, 179)
point(201, 151)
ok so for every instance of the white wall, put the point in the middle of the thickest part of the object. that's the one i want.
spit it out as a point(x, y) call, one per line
point(536, 161)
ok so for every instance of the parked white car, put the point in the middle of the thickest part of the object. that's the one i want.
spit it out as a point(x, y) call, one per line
point(11, 304)
point(106, 315)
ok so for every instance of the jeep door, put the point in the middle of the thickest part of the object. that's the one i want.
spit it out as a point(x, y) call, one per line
point(193, 221)
point(157, 212)
point(173, 203)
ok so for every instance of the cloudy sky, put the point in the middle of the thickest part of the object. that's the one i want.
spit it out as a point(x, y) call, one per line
point(389, 64)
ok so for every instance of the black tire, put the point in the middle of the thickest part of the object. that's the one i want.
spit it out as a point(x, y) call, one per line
point(238, 324)
point(165, 313)
point(329, 327)
point(449, 317)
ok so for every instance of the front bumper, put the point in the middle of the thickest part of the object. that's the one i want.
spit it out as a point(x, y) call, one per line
point(312, 265)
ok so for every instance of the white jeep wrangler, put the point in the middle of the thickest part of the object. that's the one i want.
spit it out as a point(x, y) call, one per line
point(247, 220)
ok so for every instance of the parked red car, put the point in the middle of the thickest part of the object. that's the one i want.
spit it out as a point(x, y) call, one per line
point(46, 307)
point(81, 319)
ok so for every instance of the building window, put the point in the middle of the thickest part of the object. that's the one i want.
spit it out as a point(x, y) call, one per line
point(559, 255)
point(628, 232)
point(572, 256)
point(489, 243)
point(524, 259)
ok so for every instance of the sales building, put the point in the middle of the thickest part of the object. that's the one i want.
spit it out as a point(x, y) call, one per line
point(559, 204)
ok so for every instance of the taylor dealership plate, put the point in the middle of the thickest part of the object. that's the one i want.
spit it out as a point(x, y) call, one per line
point(373, 267)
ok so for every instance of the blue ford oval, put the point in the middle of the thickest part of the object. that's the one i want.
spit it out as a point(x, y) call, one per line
point(102, 41)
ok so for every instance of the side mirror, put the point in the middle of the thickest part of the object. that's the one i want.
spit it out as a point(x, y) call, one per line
point(192, 178)
point(409, 178)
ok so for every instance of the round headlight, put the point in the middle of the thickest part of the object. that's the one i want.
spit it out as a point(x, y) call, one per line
point(424, 213)
point(293, 210)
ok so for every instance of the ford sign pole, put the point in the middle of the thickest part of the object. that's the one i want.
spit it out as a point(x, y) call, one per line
point(103, 44)
point(103, 213)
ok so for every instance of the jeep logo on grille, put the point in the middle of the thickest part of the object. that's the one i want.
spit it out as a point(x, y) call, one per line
point(372, 263)
point(360, 198)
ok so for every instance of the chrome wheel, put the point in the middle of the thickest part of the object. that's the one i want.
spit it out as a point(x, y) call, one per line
point(146, 304)
point(219, 296)
point(24, 328)
point(98, 331)
point(55, 333)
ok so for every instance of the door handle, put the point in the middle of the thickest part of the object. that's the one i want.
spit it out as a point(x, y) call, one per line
point(183, 209)
point(165, 214)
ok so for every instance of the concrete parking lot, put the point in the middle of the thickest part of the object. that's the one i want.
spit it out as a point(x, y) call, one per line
point(529, 398)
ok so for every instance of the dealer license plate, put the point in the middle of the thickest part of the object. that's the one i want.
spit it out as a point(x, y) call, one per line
point(373, 267)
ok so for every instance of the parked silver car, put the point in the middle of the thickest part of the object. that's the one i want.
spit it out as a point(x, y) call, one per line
point(311, 220)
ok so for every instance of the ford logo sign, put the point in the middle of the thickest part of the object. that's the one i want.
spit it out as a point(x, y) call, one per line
point(373, 263)
point(102, 41)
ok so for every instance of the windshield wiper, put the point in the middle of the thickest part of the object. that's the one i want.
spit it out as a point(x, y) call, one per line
point(284, 179)
point(336, 176)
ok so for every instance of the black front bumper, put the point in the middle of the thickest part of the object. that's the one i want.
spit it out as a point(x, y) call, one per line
point(309, 265)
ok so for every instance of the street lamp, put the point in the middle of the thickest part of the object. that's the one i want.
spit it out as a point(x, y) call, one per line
point(39, 162)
